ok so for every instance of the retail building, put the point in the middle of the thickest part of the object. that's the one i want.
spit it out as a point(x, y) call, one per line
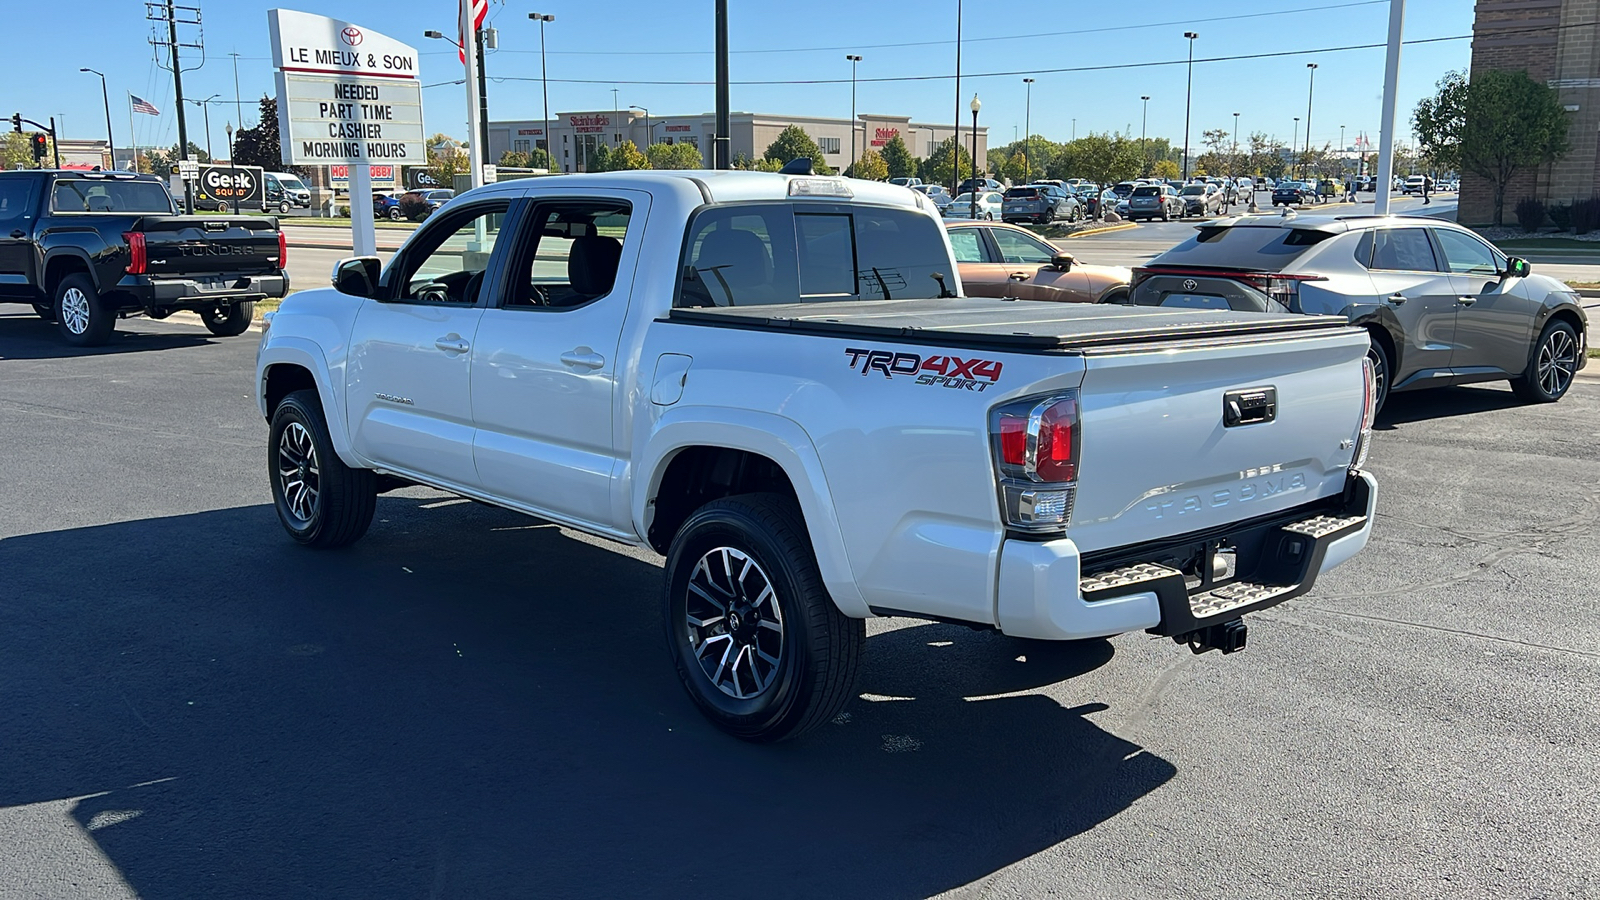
point(577, 135)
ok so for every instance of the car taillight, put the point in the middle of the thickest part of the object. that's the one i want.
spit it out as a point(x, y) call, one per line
point(1036, 444)
point(138, 260)
point(283, 250)
point(1369, 412)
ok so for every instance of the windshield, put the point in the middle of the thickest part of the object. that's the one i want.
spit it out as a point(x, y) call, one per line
point(1146, 190)
point(768, 253)
point(289, 182)
point(94, 195)
point(1194, 189)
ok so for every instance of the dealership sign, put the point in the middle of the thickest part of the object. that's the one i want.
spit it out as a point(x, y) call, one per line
point(346, 94)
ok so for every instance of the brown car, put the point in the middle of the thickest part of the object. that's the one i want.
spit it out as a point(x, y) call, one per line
point(999, 260)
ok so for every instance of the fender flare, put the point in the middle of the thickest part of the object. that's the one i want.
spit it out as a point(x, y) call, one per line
point(74, 252)
point(304, 354)
point(779, 439)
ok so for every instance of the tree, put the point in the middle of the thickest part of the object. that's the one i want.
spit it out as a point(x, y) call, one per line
point(260, 146)
point(599, 159)
point(1437, 120)
point(627, 156)
point(1101, 158)
point(675, 156)
point(1166, 168)
point(939, 167)
point(445, 159)
point(897, 159)
point(17, 151)
point(1511, 123)
point(869, 166)
point(755, 164)
point(536, 158)
point(793, 143)
point(1015, 166)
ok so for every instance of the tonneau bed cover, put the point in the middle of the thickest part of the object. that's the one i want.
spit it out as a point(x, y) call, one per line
point(1005, 324)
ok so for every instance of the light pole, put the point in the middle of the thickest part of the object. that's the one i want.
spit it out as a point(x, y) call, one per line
point(1312, 67)
point(853, 60)
point(649, 136)
point(1144, 144)
point(975, 105)
point(111, 144)
point(955, 138)
point(482, 137)
point(1293, 137)
point(228, 130)
point(1188, 97)
point(1236, 140)
point(206, 104)
point(544, 84)
point(1027, 119)
point(1074, 129)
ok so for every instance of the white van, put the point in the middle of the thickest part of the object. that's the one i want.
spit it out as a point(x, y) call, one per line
point(285, 191)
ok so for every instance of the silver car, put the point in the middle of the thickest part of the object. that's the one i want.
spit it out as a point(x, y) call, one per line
point(1443, 307)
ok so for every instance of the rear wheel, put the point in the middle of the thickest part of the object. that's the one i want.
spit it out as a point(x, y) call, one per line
point(229, 321)
point(320, 501)
point(1551, 367)
point(756, 640)
point(83, 319)
point(394, 214)
point(1381, 369)
point(222, 207)
point(1166, 215)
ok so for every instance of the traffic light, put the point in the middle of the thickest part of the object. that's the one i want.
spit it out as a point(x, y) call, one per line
point(41, 147)
point(16, 122)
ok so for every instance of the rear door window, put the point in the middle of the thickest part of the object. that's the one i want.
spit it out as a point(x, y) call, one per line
point(14, 194)
point(1403, 250)
point(968, 245)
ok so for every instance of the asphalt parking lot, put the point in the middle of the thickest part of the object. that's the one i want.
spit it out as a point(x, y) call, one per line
point(472, 704)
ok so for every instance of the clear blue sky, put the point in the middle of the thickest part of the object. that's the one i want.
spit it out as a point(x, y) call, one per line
point(614, 42)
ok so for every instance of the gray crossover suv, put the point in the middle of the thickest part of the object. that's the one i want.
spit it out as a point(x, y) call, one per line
point(1443, 306)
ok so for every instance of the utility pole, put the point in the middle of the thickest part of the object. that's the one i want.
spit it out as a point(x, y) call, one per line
point(721, 157)
point(955, 142)
point(1144, 130)
point(238, 103)
point(853, 60)
point(167, 11)
point(484, 36)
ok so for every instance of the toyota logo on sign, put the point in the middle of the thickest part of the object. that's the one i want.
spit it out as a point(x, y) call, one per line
point(1190, 284)
point(351, 35)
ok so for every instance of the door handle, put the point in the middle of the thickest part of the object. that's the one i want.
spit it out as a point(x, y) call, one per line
point(452, 344)
point(1467, 301)
point(1397, 298)
point(583, 358)
point(18, 233)
point(1018, 276)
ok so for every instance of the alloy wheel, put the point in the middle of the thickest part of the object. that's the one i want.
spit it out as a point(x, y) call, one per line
point(75, 310)
point(1558, 359)
point(1380, 373)
point(735, 625)
point(298, 473)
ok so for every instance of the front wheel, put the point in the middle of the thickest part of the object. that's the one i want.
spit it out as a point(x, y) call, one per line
point(83, 319)
point(1551, 367)
point(988, 217)
point(756, 640)
point(394, 214)
point(284, 206)
point(229, 321)
point(320, 501)
point(222, 207)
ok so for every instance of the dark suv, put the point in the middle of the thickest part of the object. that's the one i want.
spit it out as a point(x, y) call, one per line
point(1154, 201)
point(1041, 203)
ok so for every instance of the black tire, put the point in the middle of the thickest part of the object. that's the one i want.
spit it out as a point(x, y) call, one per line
point(222, 207)
point(1551, 365)
point(341, 500)
point(45, 311)
point(283, 206)
point(229, 321)
point(394, 214)
point(1166, 214)
point(86, 322)
point(819, 648)
point(1119, 296)
point(1382, 371)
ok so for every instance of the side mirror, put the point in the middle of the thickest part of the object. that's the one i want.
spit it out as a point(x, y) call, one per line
point(357, 276)
point(1063, 261)
point(1517, 267)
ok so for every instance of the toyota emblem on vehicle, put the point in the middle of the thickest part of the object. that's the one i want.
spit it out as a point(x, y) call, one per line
point(1190, 284)
point(351, 35)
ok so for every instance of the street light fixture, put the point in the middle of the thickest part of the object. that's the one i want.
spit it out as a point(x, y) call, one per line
point(1312, 67)
point(228, 130)
point(1144, 144)
point(544, 85)
point(111, 144)
point(1188, 97)
point(853, 60)
point(1027, 119)
point(974, 106)
point(649, 136)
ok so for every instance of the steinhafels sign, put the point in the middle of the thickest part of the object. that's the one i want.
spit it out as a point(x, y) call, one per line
point(588, 124)
point(346, 94)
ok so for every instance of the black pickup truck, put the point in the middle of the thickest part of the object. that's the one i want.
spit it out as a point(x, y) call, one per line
point(87, 248)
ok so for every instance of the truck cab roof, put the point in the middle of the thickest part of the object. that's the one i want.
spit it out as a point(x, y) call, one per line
point(731, 186)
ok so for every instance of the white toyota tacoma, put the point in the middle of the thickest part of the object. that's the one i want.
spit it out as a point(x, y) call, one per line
point(775, 381)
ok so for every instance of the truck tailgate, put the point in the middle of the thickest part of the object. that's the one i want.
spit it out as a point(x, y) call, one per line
point(1162, 453)
point(201, 246)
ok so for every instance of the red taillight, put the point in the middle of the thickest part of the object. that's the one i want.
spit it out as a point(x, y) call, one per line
point(1013, 440)
point(1054, 461)
point(283, 250)
point(138, 261)
point(1036, 444)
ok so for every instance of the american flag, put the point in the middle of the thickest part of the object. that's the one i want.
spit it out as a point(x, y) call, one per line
point(144, 106)
point(477, 9)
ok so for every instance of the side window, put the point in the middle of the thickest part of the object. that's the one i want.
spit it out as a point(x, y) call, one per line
point(740, 256)
point(967, 244)
point(450, 258)
point(1364, 250)
point(1016, 247)
point(1467, 255)
point(1403, 249)
point(14, 193)
point(572, 254)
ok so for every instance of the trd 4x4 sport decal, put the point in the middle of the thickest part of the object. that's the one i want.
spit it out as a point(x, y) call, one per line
point(944, 371)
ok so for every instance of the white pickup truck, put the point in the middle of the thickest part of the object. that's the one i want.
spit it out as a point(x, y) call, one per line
point(775, 381)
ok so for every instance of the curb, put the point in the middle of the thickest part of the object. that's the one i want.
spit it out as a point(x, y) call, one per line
point(1109, 228)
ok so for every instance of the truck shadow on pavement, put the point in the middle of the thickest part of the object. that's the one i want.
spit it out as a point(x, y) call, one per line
point(1438, 403)
point(30, 337)
point(471, 703)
